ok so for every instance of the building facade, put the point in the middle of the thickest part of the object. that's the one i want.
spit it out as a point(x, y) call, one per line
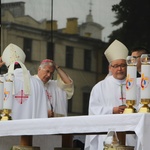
point(77, 49)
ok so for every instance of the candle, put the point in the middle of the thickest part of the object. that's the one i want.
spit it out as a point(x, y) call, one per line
point(131, 83)
point(145, 76)
point(145, 81)
point(8, 90)
point(131, 78)
point(1, 91)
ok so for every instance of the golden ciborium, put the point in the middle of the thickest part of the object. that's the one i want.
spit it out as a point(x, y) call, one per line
point(145, 83)
point(6, 114)
point(8, 97)
point(131, 85)
point(130, 107)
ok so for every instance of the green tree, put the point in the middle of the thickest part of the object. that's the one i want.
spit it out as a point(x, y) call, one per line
point(134, 18)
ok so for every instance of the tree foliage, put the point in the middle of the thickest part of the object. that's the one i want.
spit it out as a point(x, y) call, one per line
point(134, 18)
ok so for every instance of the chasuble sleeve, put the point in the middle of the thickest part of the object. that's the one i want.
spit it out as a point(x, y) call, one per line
point(68, 88)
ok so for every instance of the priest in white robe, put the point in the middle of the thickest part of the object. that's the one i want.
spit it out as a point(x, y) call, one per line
point(29, 99)
point(58, 91)
point(108, 96)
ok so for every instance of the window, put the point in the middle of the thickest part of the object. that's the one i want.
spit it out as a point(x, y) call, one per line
point(69, 56)
point(86, 97)
point(27, 46)
point(50, 50)
point(87, 60)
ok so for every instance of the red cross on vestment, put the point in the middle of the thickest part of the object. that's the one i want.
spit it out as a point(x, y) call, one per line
point(49, 96)
point(21, 97)
point(122, 98)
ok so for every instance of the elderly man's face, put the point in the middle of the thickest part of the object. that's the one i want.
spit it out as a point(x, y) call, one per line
point(46, 73)
point(118, 69)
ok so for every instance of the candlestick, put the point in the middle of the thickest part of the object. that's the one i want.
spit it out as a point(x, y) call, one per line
point(131, 84)
point(8, 97)
point(145, 83)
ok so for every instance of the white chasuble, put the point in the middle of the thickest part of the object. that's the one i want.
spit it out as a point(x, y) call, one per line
point(58, 93)
point(105, 95)
point(28, 106)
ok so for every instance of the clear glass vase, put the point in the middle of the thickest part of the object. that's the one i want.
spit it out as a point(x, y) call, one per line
point(111, 140)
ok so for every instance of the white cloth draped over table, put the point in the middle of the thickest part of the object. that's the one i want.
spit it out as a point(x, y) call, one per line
point(102, 102)
point(137, 122)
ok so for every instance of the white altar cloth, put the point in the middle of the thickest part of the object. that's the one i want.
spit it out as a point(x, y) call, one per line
point(138, 122)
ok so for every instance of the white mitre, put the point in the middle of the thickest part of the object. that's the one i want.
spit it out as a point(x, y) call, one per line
point(116, 50)
point(12, 54)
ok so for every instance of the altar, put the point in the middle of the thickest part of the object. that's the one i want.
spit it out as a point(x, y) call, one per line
point(139, 123)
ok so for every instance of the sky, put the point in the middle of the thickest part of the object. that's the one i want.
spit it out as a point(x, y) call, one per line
point(63, 9)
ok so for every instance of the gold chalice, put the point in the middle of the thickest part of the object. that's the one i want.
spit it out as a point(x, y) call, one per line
point(6, 115)
point(130, 108)
point(145, 108)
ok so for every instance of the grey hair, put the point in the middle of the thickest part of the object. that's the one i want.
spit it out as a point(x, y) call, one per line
point(42, 65)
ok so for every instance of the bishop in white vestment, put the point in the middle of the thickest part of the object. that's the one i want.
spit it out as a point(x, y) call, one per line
point(108, 96)
point(57, 94)
point(58, 91)
point(29, 99)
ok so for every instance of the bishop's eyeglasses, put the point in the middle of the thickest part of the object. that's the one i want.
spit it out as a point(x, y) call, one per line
point(117, 66)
